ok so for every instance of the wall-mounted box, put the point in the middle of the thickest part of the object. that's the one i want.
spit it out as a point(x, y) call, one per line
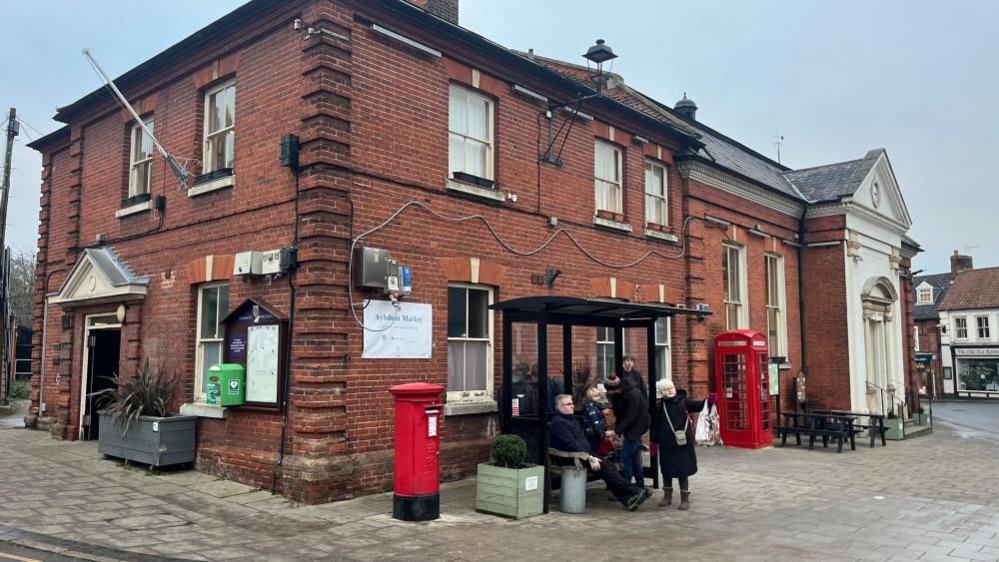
point(371, 267)
point(247, 263)
point(270, 262)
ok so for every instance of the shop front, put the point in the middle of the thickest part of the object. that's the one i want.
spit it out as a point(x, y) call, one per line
point(976, 371)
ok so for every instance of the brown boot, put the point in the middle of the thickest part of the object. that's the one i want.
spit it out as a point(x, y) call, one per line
point(667, 497)
point(684, 500)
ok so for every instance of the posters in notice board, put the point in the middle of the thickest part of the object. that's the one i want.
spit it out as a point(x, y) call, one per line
point(774, 379)
point(397, 334)
point(262, 363)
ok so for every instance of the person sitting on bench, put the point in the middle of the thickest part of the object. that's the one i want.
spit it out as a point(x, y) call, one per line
point(567, 436)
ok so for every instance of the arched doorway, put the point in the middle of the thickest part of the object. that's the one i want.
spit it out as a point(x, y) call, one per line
point(879, 297)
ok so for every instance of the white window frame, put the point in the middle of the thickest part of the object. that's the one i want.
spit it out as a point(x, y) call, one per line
point(915, 338)
point(487, 393)
point(924, 295)
point(652, 198)
point(136, 136)
point(960, 325)
point(463, 95)
point(199, 374)
point(982, 329)
point(738, 301)
point(664, 349)
point(606, 345)
point(774, 263)
point(207, 154)
point(615, 184)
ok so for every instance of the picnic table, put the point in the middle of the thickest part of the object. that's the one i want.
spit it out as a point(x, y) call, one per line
point(815, 425)
point(875, 425)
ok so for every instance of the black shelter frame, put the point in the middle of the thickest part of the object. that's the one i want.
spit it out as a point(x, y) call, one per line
point(566, 312)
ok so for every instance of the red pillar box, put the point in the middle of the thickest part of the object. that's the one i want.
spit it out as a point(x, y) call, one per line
point(417, 451)
point(742, 379)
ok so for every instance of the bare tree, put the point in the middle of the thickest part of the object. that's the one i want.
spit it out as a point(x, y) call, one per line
point(22, 285)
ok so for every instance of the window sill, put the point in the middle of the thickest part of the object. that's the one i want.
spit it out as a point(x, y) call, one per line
point(203, 410)
point(214, 185)
point(658, 234)
point(134, 209)
point(612, 224)
point(465, 408)
point(476, 191)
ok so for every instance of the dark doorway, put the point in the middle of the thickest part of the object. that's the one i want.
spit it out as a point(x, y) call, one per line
point(103, 348)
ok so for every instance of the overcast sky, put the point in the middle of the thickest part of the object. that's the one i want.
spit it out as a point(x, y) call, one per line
point(836, 79)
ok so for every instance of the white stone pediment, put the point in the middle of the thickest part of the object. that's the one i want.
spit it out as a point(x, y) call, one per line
point(98, 276)
point(880, 193)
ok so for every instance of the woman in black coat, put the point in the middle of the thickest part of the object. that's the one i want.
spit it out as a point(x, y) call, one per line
point(675, 460)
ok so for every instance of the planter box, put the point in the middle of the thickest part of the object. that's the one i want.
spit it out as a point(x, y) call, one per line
point(894, 429)
point(921, 419)
point(151, 440)
point(510, 492)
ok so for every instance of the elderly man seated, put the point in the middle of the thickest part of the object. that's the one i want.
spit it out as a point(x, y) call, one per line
point(566, 435)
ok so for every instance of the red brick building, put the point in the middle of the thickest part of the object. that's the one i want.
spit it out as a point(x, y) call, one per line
point(423, 139)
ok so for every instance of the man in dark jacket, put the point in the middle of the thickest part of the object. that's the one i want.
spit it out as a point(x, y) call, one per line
point(566, 435)
point(631, 410)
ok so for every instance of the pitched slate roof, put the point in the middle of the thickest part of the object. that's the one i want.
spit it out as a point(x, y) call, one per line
point(833, 181)
point(973, 288)
point(718, 148)
point(941, 284)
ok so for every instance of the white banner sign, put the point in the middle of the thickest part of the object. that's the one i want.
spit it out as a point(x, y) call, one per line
point(976, 351)
point(397, 334)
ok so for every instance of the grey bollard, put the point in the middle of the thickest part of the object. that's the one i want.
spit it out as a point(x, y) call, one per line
point(573, 497)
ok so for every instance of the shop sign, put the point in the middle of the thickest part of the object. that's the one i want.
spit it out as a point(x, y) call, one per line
point(977, 351)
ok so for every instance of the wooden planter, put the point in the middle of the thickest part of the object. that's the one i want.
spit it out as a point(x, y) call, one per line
point(151, 440)
point(511, 492)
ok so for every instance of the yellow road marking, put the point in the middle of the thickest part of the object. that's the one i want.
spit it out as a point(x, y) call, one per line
point(5, 556)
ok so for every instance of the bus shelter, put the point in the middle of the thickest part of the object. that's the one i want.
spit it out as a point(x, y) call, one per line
point(539, 337)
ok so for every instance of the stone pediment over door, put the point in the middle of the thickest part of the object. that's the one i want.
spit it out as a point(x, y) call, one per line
point(99, 277)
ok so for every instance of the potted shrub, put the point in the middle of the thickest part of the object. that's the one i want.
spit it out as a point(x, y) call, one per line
point(894, 428)
point(136, 426)
point(507, 486)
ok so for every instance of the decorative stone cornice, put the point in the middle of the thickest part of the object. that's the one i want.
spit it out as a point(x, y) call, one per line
point(718, 179)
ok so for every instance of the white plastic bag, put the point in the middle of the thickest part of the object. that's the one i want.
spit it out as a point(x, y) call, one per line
point(708, 430)
point(701, 430)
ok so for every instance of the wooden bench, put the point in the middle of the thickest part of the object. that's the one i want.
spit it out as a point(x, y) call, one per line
point(824, 426)
point(875, 425)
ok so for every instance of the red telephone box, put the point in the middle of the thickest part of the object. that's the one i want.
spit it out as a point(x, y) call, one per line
point(417, 451)
point(742, 379)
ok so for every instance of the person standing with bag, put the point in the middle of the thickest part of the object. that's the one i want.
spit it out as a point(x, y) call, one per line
point(672, 429)
point(631, 411)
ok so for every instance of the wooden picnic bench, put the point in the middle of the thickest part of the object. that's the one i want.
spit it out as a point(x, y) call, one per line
point(814, 426)
point(875, 425)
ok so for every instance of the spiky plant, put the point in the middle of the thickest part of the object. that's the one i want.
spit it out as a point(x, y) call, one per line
point(148, 393)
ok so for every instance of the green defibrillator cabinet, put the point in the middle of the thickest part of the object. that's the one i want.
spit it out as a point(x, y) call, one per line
point(226, 385)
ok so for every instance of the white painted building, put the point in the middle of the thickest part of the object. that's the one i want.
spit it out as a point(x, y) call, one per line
point(969, 334)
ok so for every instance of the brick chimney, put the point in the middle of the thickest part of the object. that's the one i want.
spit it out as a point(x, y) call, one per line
point(959, 263)
point(445, 9)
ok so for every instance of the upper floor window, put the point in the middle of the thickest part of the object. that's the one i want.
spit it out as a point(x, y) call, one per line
point(656, 210)
point(607, 177)
point(776, 307)
point(961, 328)
point(213, 305)
point(924, 295)
point(734, 279)
point(220, 123)
point(469, 342)
point(983, 327)
point(140, 159)
point(470, 127)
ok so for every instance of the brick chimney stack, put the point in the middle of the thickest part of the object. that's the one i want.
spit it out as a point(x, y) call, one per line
point(445, 9)
point(959, 263)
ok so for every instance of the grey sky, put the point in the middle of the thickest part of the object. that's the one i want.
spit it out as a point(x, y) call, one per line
point(835, 78)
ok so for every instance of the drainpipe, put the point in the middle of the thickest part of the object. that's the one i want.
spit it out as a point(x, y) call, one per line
point(801, 291)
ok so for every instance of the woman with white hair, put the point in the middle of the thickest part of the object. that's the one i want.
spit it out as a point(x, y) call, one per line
point(673, 430)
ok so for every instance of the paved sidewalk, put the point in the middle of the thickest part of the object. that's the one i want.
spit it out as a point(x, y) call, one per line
point(933, 498)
